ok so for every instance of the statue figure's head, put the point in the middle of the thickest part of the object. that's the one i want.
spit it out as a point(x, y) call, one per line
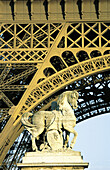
point(54, 105)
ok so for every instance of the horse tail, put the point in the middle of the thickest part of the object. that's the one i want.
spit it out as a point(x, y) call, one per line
point(25, 120)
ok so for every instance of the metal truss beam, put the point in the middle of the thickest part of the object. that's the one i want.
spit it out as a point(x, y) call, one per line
point(14, 87)
point(18, 76)
point(6, 99)
point(4, 73)
point(64, 52)
point(4, 114)
point(19, 65)
point(36, 39)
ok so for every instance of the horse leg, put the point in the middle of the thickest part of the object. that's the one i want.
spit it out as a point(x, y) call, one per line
point(34, 147)
point(66, 139)
point(35, 135)
point(74, 139)
point(71, 130)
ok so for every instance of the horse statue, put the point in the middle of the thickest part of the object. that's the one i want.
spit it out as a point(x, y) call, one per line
point(52, 122)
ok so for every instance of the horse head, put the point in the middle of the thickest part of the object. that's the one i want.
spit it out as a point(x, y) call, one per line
point(69, 97)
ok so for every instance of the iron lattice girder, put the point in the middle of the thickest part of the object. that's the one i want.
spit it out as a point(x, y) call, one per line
point(18, 76)
point(84, 40)
point(42, 36)
point(85, 60)
point(4, 73)
point(13, 88)
point(5, 98)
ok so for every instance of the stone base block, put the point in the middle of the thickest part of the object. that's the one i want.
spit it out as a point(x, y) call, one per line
point(66, 160)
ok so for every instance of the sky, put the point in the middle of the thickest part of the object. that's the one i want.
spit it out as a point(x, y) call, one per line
point(93, 142)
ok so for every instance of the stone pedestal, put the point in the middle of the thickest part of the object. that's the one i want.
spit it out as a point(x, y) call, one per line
point(66, 160)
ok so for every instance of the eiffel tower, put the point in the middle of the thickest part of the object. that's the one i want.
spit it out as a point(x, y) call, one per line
point(47, 47)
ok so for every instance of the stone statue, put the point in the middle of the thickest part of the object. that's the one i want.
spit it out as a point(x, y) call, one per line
point(53, 123)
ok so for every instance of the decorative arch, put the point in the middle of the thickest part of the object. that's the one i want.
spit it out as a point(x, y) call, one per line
point(69, 58)
point(82, 55)
point(95, 53)
point(48, 72)
point(107, 52)
point(57, 63)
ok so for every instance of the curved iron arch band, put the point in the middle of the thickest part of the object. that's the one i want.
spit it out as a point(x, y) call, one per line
point(66, 76)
